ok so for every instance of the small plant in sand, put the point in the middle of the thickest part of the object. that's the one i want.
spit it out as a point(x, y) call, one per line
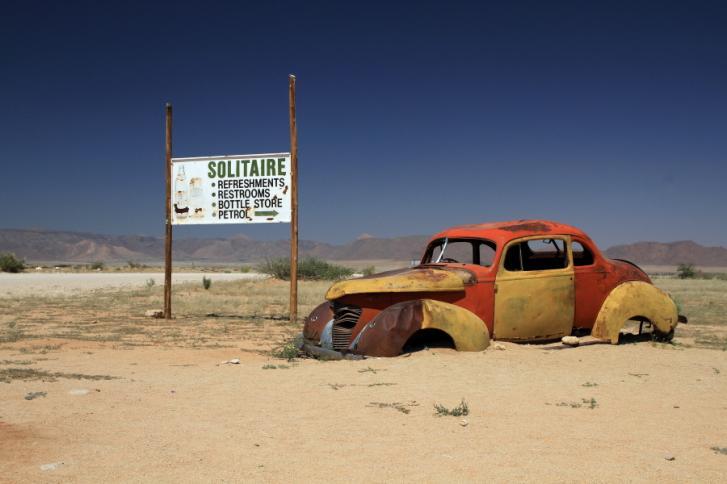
point(401, 407)
point(459, 411)
point(287, 351)
point(206, 282)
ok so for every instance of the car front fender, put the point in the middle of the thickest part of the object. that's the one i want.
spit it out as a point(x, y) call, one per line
point(388, 332)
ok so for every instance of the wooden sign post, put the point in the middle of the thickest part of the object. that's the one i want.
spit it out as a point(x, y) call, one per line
point(294, 202)
point(260, 188)
point(168, 213)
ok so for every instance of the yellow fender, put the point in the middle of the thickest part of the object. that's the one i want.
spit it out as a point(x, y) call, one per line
point(631, 300)
point(468, 331)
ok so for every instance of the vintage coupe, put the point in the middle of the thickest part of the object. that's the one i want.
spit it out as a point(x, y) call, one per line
point(524, 281)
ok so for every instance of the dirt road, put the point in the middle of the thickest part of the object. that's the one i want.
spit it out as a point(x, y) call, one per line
point(635, 412)
point(62, 283)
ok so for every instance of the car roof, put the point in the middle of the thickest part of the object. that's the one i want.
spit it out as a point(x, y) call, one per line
point(503, 232)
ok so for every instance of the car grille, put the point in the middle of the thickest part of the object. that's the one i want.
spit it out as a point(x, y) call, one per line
point(345, 318)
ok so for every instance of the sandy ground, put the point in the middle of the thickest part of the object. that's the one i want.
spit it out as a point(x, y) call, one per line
point(62, 283)
point(175, 415)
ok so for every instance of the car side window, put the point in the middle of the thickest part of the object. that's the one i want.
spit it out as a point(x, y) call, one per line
point(536, 255)
point(581, 255)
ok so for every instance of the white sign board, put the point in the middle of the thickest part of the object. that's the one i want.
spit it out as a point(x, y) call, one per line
point(231, 189)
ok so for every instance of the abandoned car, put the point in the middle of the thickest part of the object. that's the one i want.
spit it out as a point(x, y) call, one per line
point(522, 281)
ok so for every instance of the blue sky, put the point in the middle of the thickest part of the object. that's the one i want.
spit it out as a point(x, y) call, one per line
point(412, 117)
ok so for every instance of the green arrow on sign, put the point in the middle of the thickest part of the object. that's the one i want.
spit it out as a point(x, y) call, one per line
point(267, 213)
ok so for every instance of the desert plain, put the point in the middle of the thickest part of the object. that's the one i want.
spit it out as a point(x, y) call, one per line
point(91, 390)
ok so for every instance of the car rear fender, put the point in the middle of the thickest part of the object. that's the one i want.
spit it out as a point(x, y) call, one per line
point(388, 332)
point(635, 300)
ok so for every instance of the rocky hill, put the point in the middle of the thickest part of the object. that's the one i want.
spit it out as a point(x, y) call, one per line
point(672, 253)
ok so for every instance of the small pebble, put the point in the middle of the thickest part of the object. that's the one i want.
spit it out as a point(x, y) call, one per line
point(669, 457)
point(51, 467)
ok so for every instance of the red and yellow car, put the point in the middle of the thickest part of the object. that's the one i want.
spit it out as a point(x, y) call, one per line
point(523, 281)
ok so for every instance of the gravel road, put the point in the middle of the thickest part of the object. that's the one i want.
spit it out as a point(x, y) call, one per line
point(50, 284)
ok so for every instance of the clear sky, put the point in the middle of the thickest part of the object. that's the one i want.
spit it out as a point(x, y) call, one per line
point(611, 115)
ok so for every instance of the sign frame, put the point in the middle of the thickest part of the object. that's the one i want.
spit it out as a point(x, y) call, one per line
point(201, 198)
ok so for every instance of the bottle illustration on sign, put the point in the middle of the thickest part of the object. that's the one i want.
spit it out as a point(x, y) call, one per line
point(196, 198)
point(181, 195)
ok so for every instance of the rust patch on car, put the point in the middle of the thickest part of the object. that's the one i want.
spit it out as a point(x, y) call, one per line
point(527, 227)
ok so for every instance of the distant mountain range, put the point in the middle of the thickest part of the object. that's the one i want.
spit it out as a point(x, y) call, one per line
point(672, 253)
point(57, 246)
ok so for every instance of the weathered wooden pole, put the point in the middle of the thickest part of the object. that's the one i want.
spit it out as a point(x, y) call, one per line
point(293, 202)
point(168, 216)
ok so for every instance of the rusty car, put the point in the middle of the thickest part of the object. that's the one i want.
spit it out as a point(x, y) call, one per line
point(519, 281)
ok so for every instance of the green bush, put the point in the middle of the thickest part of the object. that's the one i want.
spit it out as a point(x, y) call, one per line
point(369, 271)
point(206, 282)
point(98, 265)
point(309, 268)
point(10, 263)
point(686, 271)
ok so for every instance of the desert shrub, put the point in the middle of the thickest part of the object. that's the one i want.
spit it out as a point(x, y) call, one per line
point(369, 271)
point(309, 268)
point(10, 263)
point(98, 265)
point(460, 410)
point(206, 282)
point(245, 269)
point(686, 271)
point(150, 283)
point(288, 350)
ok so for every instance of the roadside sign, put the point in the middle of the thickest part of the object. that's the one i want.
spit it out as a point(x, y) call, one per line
point(231, 189)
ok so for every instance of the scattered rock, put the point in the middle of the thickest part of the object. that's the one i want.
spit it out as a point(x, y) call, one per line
point(234, 361)
point(34, 395)
point(464, 422)
point(79, 391)
point(570, 340)
point(154, 313)
point(51, 467)
point(498, 346)
point(669, 457)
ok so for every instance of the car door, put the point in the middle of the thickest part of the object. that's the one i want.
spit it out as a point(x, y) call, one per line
point(534, 289)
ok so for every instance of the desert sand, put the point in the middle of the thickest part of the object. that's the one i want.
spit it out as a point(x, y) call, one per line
point(173, 415)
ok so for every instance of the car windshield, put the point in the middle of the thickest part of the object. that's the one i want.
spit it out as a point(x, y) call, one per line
point(463, 251)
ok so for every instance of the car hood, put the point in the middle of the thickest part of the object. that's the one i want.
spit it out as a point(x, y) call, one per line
point(416, 279)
